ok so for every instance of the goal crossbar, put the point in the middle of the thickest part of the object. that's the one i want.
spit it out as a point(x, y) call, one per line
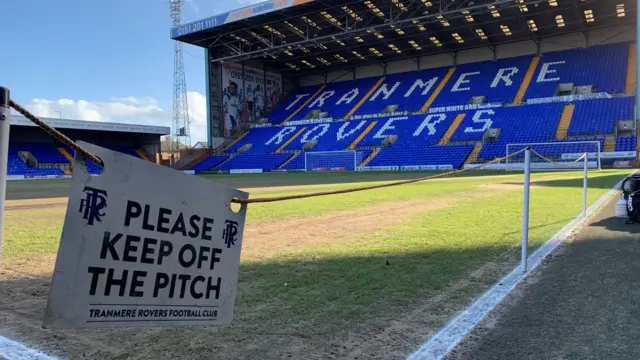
point(567, 164)
point(331, 160)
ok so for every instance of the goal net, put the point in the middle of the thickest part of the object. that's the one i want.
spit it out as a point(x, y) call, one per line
point(560, 155)
point(347, 160)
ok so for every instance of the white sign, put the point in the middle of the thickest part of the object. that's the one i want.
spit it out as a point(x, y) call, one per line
point(603, 155)
point(466, 107)
point(145, 245)
point(535, 166)
point(245, 171)
point(569, 98)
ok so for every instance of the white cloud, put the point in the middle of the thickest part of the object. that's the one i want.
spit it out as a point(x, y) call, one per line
point(132, 110)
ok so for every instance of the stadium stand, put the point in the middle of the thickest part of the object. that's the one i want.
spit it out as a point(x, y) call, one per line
point(498, 81)
point(336, 99)
point(598, 117)
point(626, 143)
point(409, 91)
point(329, 136)
point(291, 106)
point(603, 66)
point(33, 154)
point(404, 119)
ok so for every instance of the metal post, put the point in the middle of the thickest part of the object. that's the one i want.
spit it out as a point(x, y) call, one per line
point(355, 160)
point(637, 64)
point(584, 186)
point(5, 121)
point(525, 208)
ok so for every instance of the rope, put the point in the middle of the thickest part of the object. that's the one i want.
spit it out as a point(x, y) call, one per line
point(371, 187)
point(67, 141)
point(544, 157)
point(557, 162)
point(55, 133)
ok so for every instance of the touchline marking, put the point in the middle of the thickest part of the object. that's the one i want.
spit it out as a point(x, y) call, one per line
point(440, 344)
point(13, 350)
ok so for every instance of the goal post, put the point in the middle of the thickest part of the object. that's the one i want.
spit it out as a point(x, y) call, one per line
point(345, 160)
point(560, 155)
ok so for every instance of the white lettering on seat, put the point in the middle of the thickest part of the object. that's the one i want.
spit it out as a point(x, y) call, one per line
point(476, 119)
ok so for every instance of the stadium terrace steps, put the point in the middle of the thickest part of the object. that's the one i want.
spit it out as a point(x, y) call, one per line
point(288, 161)
point(362, 135)
point(609, 145)
point(236, 140)
point(364, 98)
point(222, 163)
point(290, 140)
point(473, 155)
point(451, 130)
point(438, 89)
point(565, 121)
point(630, 83)
point(370, 157)
point(143, 154)
point(66, 154)
point(310, 99)
point(193, 163)
point(527, 80)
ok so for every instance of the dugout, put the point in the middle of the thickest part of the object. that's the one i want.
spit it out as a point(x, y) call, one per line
point(130, 138)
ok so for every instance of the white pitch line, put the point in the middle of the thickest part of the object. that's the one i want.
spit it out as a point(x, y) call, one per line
point(13, 350)
point(440, 344)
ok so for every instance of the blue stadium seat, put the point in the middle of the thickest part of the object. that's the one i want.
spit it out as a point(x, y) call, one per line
point(453, 155)
point(330, 136)
point(498, 80)
point(280, 113)
point(554, 151)
point(413, 130)
point(603, 66)
point(408, 90)
point(598, 117)
point(209, 163)
point(531, 123)
point(264, 140)
point(338, 98)
point(626, 143)
point(296, 164)
point(266, 162)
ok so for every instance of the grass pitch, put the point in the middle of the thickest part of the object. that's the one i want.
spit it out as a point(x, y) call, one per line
point(362, 275)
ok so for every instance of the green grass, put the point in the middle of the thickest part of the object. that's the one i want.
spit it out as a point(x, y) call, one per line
point(435, 250)
point(378, 276)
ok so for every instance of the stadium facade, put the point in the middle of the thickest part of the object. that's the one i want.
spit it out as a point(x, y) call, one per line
point(416, 85)
point(33, 154)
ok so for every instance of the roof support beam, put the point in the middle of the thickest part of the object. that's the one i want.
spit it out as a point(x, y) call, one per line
point(354, 32)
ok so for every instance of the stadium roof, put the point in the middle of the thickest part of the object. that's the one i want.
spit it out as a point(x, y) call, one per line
point(320, 35)
point(93, 125)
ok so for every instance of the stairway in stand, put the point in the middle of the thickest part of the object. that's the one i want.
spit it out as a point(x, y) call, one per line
point(565, 121)
point(373, 154)
point(609, 145)
point(473, 156)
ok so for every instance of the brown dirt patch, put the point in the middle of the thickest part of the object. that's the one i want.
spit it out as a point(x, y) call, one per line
point(32, 204)
point(264, 239)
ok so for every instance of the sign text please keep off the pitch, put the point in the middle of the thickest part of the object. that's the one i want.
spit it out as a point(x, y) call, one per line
point(135, 253)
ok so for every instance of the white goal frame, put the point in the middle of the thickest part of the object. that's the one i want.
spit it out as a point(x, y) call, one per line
point(353, 153)
point(590, 155)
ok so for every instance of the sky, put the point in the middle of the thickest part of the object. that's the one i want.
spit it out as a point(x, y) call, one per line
point(102, 60)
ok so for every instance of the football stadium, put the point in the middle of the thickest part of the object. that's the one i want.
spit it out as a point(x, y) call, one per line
point(386, 148)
